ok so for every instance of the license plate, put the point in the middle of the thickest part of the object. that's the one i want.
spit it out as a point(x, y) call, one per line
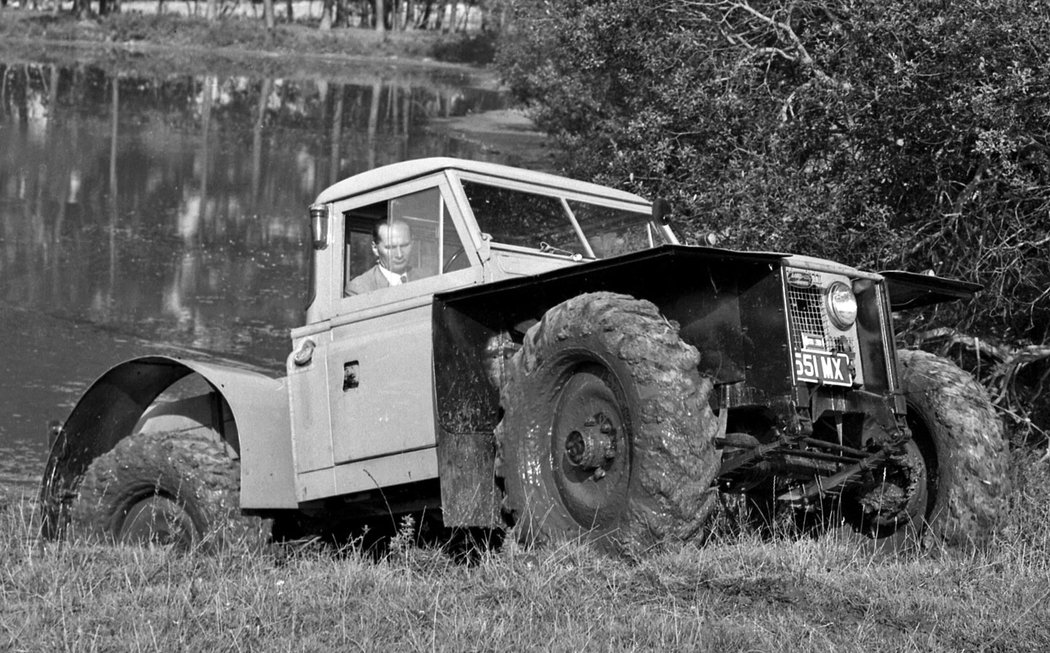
point(822, 367)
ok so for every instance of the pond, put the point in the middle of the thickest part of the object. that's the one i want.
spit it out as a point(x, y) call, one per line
point(166, 212)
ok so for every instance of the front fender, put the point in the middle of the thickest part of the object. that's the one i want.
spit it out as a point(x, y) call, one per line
point(113, 409)
point(915, 290)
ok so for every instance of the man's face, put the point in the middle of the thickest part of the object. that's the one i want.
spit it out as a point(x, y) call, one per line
point(394, 247)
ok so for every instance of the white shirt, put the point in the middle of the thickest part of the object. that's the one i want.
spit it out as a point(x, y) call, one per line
point(392, 278)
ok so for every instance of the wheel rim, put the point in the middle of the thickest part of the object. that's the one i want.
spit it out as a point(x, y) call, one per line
point(590, 448)
point(156, 520)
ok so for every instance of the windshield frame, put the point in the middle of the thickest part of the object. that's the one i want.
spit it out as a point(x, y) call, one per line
point(563, 194)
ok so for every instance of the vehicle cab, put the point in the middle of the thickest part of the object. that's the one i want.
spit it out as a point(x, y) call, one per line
point(365, 358)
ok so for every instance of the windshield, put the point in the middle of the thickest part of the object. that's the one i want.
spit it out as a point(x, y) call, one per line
point(556, 225)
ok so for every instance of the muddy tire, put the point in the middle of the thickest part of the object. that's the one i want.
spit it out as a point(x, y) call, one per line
point(958, 453)
point(962, 443)
point(179, 489)
point(606, 435)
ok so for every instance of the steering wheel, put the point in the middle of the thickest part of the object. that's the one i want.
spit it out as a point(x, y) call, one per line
point(452, 259)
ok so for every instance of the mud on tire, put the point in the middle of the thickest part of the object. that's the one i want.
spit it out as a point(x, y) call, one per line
point(178, 488)
point(962, 444)
point(607, 434)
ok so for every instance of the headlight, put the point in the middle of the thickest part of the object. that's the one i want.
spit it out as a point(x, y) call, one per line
point(842, 305)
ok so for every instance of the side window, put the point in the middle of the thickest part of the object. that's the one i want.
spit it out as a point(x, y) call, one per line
point(399, 241)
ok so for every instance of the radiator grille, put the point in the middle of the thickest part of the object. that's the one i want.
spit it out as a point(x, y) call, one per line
point(806, 308)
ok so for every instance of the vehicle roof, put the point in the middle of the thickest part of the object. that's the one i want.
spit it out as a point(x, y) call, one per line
point(398, 172)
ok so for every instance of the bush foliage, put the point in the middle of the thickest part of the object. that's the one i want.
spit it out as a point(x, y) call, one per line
point(882, 133)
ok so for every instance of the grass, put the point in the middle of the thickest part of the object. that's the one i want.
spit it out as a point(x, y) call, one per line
point(735, 593)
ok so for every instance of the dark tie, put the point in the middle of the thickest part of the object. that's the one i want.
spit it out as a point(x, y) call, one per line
point(404, 278)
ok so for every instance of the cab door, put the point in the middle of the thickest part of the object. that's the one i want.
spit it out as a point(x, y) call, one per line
point(375, 353)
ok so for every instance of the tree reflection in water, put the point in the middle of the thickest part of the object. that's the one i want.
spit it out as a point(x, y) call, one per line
point(173, 209)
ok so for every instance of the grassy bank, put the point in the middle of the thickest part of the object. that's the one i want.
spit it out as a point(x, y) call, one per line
point(188, 38)
point(735, 593)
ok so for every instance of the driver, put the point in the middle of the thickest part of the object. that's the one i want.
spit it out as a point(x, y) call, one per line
point(392, 246)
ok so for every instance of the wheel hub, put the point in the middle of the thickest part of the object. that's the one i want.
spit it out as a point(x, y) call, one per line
point(593, 445)
point(590, 447)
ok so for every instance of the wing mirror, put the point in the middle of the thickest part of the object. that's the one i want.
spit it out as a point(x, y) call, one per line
point(662, 214)
point(662, 211)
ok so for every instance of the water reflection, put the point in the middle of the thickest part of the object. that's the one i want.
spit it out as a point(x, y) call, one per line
point(128, 200)
point(170, 210)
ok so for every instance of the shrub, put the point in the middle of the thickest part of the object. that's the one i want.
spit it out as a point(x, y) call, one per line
point(884, 134)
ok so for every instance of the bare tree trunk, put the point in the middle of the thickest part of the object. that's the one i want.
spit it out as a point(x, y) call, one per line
point(268, 15)
point(406, 108)
point(380, 17)
point(327, 11)
point(21, 100)
point(63, 204)
point(52, 98)
point(257, 140)
point(428, 13)
point(451, 27)
point(3, 91)
point(335, 156)
point(373, 123)
point(114, 209)
point(288, 3)
point(210, 90)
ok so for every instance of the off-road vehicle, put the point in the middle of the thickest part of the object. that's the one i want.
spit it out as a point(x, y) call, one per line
point(559, 367)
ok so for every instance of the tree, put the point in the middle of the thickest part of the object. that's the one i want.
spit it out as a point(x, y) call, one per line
point(882, 133)
point(268, 16)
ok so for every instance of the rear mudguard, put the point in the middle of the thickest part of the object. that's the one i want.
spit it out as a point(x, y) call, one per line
point(249, 410)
